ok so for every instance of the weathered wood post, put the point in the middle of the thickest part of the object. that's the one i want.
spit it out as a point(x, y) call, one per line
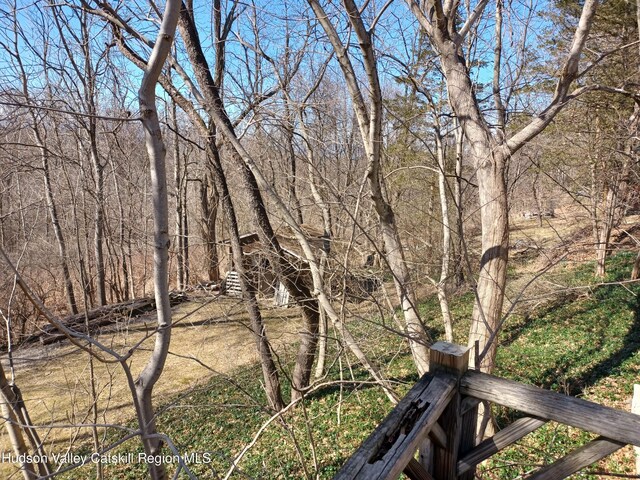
point(458, 420)
point(635, 408)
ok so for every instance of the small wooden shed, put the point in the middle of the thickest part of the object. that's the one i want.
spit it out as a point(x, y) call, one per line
point(257, 262)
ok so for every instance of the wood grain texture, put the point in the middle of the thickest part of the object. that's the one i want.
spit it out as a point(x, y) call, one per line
point(467, 439)
point(459, 429)
point(415, 471)
point(502, 439)
point(614, 424)
point(448, 357)
point(438, 435)
point(393, 444)
point(578, 459)
point(635, 408)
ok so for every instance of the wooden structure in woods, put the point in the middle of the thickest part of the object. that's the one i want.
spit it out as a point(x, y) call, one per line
point(431, 432)
point(356, 285)
point(256, 260)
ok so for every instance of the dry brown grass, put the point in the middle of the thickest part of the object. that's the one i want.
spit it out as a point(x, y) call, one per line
point(54, 379)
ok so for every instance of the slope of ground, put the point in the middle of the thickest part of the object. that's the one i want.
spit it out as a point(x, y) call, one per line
point(585, 344)
point(210, 337)
point(564, 333)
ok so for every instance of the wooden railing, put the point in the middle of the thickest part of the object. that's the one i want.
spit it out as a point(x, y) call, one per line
point(430, 434)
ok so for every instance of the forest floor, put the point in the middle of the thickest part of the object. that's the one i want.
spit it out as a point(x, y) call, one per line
point(210, 336)
point(565, 333)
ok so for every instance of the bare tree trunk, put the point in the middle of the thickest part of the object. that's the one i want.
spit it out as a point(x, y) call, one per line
point(13, 427)
point(613, 210)
point(15, 413)
point(215, 178)
point(599, 205)
point(127, 271)
point(180, 177)
point(209, 201)
point(115, 279)
point(635, 273)
point(289, 276)
point(269, 370)
point(185, 231)
point(5, 240)
point(156, 152)
point(441, 286)
point(87, 266)
point(490, 154)
point(369, 117)
point(89, 85)
point(57, 229)
point(328, 234)
point(322, 338)
point(607, 215)
point(318, 284)
point(492, 278)
point(84, 279)
point(177, 186)
point(51, 204)
point(87, 97)
point(286, 272)
point(98, 239)
point(536, 196)
point(55, 221)
point(293, 175)
point(458, 263)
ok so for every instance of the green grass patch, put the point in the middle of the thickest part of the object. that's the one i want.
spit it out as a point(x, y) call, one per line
point(586, 343)
point(587, 346)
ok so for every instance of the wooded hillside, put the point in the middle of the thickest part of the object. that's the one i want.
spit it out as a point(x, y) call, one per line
point(313, 172)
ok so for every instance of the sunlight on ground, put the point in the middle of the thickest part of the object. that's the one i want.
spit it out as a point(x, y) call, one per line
point(55, 378)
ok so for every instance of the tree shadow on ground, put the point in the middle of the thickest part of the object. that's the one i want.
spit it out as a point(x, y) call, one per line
point(561, 376)
point(542, 316)
point(611, 365)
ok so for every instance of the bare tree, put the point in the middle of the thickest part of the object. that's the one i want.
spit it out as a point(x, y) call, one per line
point(369, 116)
point(11, 413)
point(14, 51)
point(156, 151)
point(489, 151)
point(84, 69)
point(216, 173)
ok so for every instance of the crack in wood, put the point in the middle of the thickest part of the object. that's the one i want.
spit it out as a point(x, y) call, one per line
point(413, 413)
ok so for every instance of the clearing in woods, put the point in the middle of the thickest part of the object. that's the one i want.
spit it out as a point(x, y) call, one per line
point(210, 336)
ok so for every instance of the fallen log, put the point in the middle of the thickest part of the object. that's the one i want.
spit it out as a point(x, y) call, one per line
point(99, 317)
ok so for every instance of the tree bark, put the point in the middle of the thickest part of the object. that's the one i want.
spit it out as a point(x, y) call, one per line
point(51, 204)
point(247, 284)
point(291, 154)
point(442, 284)
point(124, 244)
point(209, 201)
point(328, 234)
point(490, 154)
point(285, 271)
point(458, 259)
point(87, 74)
point(177, 188)
point(369, 119)
point(13, 427)
point(98, 224)
point(156, 152)
point(57, 229)
point(215, 176)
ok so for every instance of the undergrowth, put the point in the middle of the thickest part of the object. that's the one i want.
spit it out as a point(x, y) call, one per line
point(585, 343)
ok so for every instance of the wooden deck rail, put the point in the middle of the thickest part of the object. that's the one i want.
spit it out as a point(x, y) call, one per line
point(431, 432)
